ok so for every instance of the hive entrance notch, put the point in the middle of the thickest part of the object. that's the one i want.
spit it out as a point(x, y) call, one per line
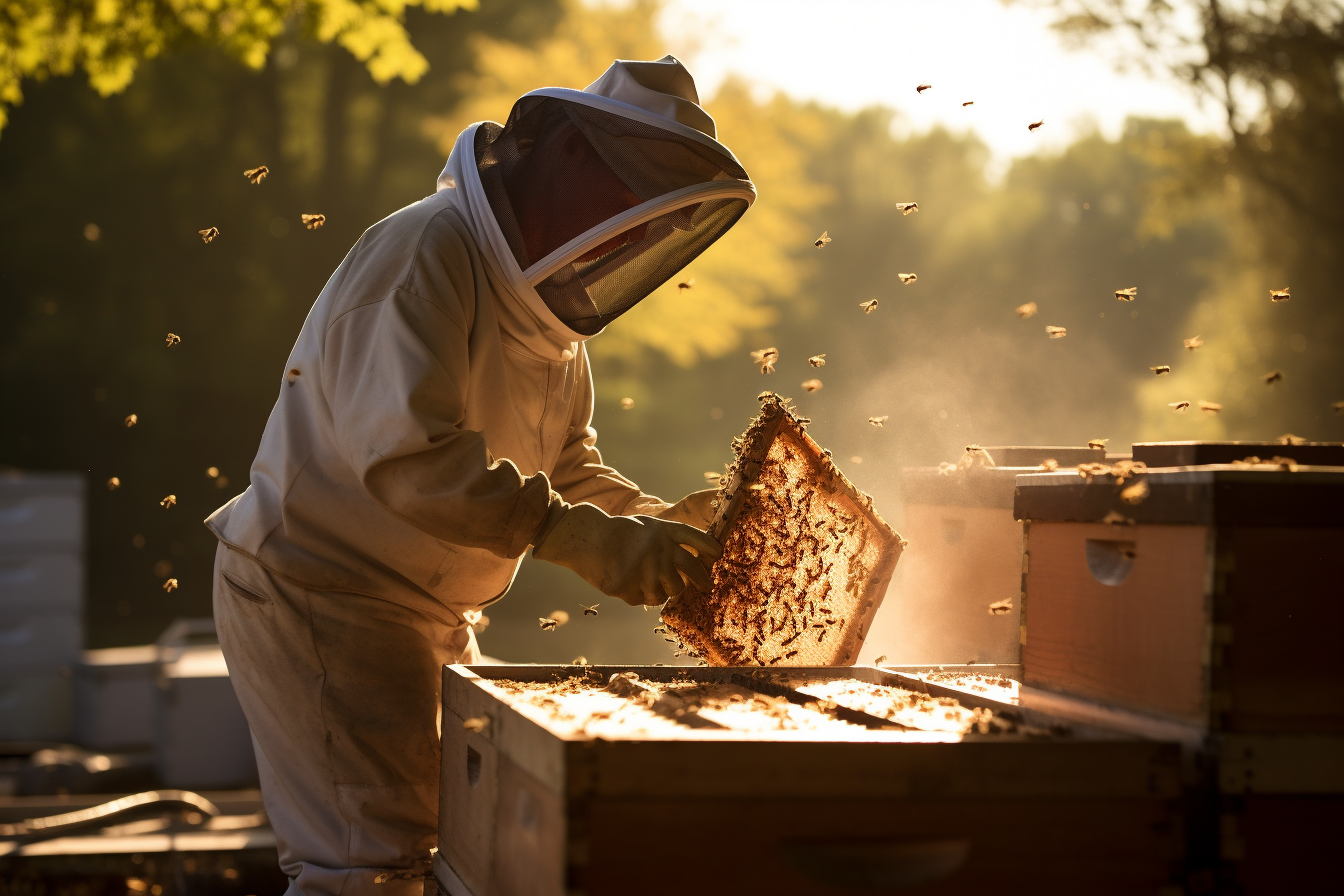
point(806, 559)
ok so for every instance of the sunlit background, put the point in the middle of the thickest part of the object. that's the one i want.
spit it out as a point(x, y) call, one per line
point(1136, 178)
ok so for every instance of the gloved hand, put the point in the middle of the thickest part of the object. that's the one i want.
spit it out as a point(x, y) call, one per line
point(642, 560)
point(694, 509)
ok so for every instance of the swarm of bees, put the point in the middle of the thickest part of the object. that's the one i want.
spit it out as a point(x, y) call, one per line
point(1209, 407)
point(1274, 376)
point(906, 208)
point(821, 241)
point(923, 87)
point(172, 340)
point(868, 306)
point(1279, 295)
point(256, 175)
point(1127, 295)
point(1035, 124)
point(811, 385)
point(766, 357)
point(170, 586)
point(208, 234)
point(1193, 343)
point(168, 502)
point(1056, 332)
point(1161, 369)
point(817, 360)
point(686, 284)
point(312, 222)
point(878, 421)
point(627, 403)
point(1026, 311)
point(908, 278)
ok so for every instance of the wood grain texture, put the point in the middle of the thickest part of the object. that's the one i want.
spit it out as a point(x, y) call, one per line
point(1141, 644)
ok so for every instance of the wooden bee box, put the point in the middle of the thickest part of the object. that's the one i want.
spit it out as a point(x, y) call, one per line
point(1213, 602)
point(542, 798)
point(806, 559)
point(966, 558)
point(1189, 454)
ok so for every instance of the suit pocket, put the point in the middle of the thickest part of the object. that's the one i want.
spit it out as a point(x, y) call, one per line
point(246, 592)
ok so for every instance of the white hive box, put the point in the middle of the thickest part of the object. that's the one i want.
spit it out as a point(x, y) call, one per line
point(115, 694)
point(202, 736)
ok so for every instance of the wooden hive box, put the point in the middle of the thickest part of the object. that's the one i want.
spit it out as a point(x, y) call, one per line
point(1190, 454)
point(966, 554)
point(536, 799)
point(1213, 602)
point(806, 559)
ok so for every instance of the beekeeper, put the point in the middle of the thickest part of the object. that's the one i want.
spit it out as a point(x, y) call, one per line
point(434, 420)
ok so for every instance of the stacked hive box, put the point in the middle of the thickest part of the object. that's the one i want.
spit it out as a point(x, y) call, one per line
point(1214, 602)
point(41, 603)
point(965, 554)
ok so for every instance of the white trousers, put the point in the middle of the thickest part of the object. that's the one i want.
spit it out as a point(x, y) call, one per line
point(342, 694)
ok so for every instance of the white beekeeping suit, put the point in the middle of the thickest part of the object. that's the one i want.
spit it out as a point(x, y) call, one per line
point(433, 422)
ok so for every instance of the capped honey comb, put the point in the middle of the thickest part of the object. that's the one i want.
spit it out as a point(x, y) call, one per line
point(805, 561)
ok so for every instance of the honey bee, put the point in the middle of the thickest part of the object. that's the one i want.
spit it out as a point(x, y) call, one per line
point(1049, 465)
point(868, 306)
point(1193, 343)
point(1097, 443)
point(1035, 124)
point(906, 208)
point(686, 284)
point(1274, 376)
point(822, 240)
point(1279, 295)
point(811, 385)
point(968, 103)
point(878, 421)
point(908, 278)
point(312, 222)
point(1211, 407)
point(817, 360)
point(880, 660)
point(713, 478)
point(560, 617)
point(1161, 369)
point(1001, 607)
point(476, 724)
point(113, 484)
point(1290, 439)
point(1178, 405)
point(1026, 311)
point(1056, 332)
point(579, 661)
point(766, 357)
point(212, 472)
point(627, 403)
point(208, 234)
point(292, 375)
point(923, 87)
point(256, 175)
point(170, 585)
point(1136, 493)
point(547, 624)
point(1339, 407)
point(1127, 295)
point(172, 340)
point(168, 502)
point(590, 611)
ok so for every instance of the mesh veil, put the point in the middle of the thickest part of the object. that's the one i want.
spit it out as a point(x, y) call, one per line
point(557, 170)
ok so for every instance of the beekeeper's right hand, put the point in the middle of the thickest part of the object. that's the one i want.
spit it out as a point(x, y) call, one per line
point(640, 559)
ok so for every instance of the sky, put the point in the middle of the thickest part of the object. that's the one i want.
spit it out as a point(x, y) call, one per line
point(856, 53)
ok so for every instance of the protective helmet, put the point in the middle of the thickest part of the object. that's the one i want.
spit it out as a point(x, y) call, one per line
point(603, 194)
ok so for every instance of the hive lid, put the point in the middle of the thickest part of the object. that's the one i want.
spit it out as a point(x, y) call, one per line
point(1188, 454)
point(806, 559)
point(1278, 495)
point(986, 475)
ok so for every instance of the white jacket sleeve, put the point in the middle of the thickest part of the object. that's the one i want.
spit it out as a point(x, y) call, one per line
point(580, 475)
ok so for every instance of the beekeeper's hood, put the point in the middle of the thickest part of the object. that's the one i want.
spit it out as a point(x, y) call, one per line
point(602, 194)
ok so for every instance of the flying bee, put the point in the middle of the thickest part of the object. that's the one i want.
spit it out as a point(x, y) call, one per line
point(822, 240)
point(1127, 295)
point(906, 208)
point(1001, 607)
point(713, 478)
point(131, 420)
point(547, 624)
point(208, 234)
point(1178, 405)
point(1049, 465)
point(113, 484)
point(1279, 295)
point(579, 661)
point(766, 357)
point(1026, 311)
point(880, 660)
point(868, 306)
point(923, 87)
point(811, 385)
point(1290, 439)
point(1339, 407)
point(590, 611)
point(1274, 376)
point(170, 586)
point(908, 278)
point(878, 421)
point(172, 340)
point(1136, 493)
point(1161, 369)
point(817, 360)
point(212, 472)
point(256, 175)
point(1193, 343)
point(968, 103)
point(1097, 443)
point(560, 617)
point(1035, 124)
point(312, 222)
point(168, 502)
point(627, 403)
point(476, 724)
point(686, 284)
point(1211, 407)
point(1056, 332)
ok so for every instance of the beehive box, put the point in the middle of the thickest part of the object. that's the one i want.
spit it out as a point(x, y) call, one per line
point(556, 781)
point(1189, 454)
point(1212, 601)
point(806, 559)
point(955, 599)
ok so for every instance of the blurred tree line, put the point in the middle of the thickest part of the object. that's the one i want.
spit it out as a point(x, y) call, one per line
point(100, 201)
